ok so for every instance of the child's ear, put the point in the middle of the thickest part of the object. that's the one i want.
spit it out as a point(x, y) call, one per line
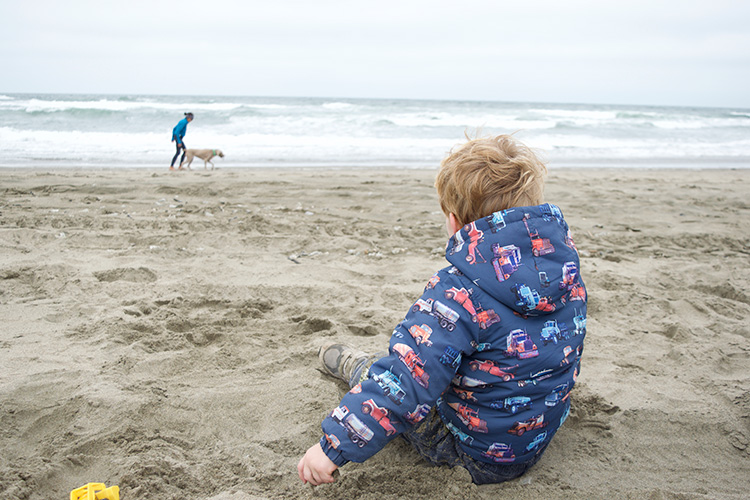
point(453, 224)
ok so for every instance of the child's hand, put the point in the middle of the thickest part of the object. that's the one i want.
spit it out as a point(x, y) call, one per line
point(315, 467)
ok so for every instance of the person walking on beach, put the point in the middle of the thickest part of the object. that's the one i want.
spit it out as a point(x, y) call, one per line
point(478, 373)
point(178, 132)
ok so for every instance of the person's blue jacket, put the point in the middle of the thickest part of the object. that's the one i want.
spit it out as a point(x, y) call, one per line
point(494, 343)
point(179, 130)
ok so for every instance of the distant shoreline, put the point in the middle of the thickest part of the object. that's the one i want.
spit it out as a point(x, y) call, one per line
point(635, 163)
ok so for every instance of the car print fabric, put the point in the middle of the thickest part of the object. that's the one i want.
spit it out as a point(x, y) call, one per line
point(494, 343)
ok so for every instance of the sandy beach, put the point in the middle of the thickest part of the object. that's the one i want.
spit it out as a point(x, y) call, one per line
point(159, 330)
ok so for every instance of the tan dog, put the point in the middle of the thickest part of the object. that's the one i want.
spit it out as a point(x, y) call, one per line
point(204, 154)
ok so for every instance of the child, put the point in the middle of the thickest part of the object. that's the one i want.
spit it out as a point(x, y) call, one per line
point(479, 372)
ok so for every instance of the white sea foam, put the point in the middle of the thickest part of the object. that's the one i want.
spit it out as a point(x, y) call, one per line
point(135, 130)
point(464, 120)
point(338, 105)
point(38, 105)
point(576, 114)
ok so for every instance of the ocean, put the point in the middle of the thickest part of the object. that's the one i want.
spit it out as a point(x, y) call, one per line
point(44, 130)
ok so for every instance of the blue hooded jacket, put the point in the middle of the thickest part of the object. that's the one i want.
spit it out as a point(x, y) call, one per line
point(494, 343)
point(179, 130)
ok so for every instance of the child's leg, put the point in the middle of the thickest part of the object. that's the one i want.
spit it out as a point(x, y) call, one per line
point(433, 441)
point(361, 371)
point(346, 363)
point(436, 444)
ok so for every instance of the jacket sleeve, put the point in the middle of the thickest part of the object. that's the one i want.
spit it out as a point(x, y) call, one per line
point(179, 131)
point(424, 353)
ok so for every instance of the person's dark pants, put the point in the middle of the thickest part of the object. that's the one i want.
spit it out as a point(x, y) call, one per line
point(436, 444)
point(432, 439)
point(180, 146)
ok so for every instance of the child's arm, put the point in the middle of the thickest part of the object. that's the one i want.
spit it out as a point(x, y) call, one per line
point(425, 352)
point(315, 467)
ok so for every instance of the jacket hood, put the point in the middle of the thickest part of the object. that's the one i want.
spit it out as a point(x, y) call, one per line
point(524, 257)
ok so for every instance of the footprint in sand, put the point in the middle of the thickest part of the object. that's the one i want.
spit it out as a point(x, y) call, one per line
point(309, 326)
point(135, 275)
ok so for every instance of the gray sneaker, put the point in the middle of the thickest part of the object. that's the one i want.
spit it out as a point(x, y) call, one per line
point(341, 360)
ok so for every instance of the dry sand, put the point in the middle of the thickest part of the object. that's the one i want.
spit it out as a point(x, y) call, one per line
point(159, 331)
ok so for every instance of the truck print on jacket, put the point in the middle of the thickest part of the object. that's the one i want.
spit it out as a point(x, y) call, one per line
point(493, 345)
point(446, 316)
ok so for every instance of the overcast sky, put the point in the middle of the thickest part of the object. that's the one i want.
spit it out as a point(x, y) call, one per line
point(677, 52)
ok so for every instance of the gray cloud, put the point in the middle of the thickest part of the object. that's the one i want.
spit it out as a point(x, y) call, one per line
point(639, 52)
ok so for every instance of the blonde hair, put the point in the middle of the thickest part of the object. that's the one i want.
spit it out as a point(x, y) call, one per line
point(489, 174)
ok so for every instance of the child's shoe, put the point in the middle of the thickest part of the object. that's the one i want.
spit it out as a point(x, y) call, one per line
point(341, 361)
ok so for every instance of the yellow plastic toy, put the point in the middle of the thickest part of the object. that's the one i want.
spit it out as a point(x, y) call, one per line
point(95, 491)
